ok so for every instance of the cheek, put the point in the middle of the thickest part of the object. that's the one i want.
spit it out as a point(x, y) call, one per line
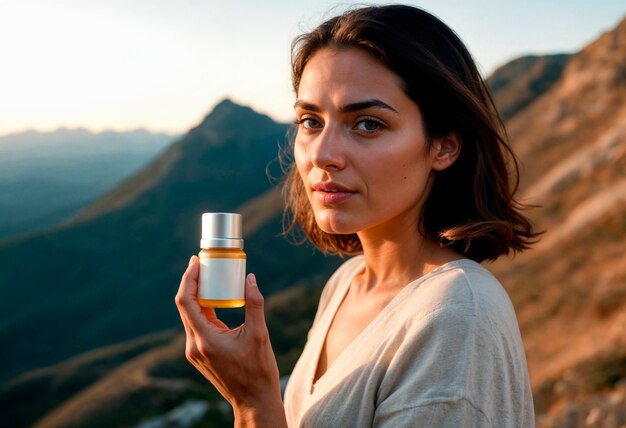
point(301, 159)
point(395, 167)
point(406, 173)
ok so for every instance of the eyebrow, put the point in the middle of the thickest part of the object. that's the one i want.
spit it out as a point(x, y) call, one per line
point(348, 108)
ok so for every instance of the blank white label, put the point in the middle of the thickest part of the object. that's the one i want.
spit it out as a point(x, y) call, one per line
point(222, 279)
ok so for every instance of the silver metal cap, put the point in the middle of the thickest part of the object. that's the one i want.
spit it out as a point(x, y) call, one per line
point(221, 230)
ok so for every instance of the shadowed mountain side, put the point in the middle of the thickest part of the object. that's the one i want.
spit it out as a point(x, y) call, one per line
point(113, 277)
point(518, 83)
point(227, 122)
point(56, 384)
point(130, 392)
point(122, 384)
point(131, 188)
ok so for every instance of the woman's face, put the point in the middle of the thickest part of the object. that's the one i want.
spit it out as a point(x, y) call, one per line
point(360, 149)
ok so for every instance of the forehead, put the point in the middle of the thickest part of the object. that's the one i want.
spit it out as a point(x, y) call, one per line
point(347, 74)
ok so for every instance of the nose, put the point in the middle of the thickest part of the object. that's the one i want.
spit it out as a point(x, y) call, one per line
point(328, 152)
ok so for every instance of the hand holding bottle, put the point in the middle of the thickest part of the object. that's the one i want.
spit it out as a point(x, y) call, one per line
point(239, 362)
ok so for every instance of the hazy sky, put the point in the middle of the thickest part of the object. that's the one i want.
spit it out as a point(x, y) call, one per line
point(162, 64)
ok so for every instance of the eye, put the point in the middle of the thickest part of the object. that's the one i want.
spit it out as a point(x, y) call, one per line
point(309, 123)
point(369, 125)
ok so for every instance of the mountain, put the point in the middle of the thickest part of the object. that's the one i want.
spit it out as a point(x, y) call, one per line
point(518, 83)
point(45, 177)
point(569, 291)
point(122, 384)
point(111, 274)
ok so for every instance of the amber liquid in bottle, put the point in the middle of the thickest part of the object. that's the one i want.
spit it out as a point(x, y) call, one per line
point(223, 268)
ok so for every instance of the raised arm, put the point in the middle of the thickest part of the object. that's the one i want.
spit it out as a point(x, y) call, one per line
point(239, 362)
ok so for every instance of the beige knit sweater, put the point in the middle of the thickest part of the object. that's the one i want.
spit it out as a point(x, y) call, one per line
point(445, 352)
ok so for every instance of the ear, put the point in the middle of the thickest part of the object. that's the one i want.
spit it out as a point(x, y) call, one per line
point(445, 151)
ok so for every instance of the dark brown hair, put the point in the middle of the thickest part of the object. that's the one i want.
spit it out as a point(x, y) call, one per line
point(471, 205)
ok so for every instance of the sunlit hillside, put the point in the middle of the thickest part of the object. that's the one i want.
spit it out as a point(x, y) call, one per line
point(570, 291)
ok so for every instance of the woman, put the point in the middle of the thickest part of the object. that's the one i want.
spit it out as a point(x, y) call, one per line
point(400, 157)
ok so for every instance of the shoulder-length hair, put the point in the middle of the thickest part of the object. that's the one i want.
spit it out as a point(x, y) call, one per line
point(471, 206)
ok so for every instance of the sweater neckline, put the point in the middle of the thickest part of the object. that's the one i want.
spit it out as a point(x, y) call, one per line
point(358, 341)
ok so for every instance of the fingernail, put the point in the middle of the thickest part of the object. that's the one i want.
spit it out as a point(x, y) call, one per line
point(252, 279)
point(191, 260)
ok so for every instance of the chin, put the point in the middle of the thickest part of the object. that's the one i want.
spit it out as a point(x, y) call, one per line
point(334, 224)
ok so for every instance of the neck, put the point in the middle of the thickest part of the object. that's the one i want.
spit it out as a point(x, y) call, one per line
point(398, 255)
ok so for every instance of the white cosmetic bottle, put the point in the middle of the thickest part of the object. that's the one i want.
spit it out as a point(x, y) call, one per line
point(222, 262)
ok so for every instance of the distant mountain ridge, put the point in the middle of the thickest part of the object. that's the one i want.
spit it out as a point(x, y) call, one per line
point(45, 177)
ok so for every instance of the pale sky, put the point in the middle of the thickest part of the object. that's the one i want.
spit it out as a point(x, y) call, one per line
point(163, 64)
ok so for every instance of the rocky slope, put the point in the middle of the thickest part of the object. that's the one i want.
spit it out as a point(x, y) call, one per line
point(570, 290)
point(518, 83)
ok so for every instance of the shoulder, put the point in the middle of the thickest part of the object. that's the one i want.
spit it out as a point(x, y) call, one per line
point(455, 340)
point(461, 310)
point(460, 290)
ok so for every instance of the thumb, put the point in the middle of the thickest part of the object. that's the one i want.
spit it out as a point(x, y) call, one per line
point(254, 303)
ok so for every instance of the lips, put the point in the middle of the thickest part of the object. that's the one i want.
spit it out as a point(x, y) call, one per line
point(330, 193)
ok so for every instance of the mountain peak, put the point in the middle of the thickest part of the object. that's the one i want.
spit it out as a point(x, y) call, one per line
point(229, 118)
point(226, 103)
point(227, 110)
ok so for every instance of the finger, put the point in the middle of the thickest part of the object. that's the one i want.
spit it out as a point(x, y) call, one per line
point(187, 300)
point(182, 300)
point(209, 314)
point(254, 303)
point(188, 288)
